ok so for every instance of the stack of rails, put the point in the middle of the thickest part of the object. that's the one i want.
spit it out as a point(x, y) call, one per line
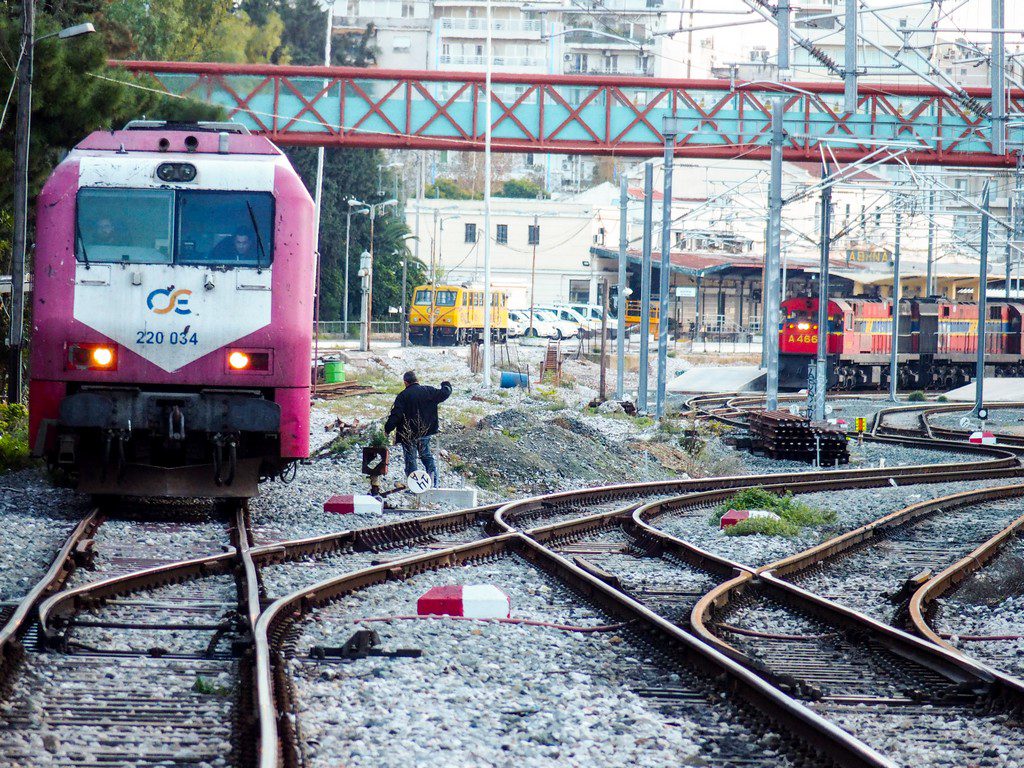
point(782, 435)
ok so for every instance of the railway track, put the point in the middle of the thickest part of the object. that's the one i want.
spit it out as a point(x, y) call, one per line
point(896, 692)
point(142, 676)
point(964, 607)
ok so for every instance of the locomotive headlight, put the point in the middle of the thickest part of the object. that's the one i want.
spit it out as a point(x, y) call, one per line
point(803, 326)
point(238, 360)
point(102, 356)
point(249, 361)
point(90, 357)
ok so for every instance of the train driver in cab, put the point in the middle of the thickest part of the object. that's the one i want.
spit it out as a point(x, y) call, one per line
point(239, 247)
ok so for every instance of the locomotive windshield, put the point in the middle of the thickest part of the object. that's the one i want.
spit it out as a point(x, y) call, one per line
point(125, 225)
point(159, 226)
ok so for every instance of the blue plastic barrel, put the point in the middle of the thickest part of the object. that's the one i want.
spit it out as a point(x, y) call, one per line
point(511, 379)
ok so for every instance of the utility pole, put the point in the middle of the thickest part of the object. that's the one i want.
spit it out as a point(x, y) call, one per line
point(533, 271)
point(979, 371)
point(369, 284)
point(998, 78)
point(20, 242)
point(433, 279)
point(620, 370)
point(929, 282)
point(1009, 249)
point(318, 202)
point(348, 231)
point(850, 58)
point(489, 53)
point(772, 289)
point(405, 282)
point(645, 286)
point(821, 362)
point(416, 235)
point(894, 340)
point(669, 130)
point(603, 388)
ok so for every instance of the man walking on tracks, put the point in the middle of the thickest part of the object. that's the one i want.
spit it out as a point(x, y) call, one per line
point(413, 419)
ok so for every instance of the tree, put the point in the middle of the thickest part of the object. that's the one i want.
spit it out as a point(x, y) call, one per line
point(521, 188)
point(449, 189)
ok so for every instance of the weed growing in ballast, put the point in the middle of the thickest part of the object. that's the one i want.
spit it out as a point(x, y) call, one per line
point(794, 516)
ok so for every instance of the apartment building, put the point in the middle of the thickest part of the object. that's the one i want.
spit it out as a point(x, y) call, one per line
point(536, 36)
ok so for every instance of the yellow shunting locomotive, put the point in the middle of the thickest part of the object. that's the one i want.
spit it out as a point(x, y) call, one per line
point(456, 313)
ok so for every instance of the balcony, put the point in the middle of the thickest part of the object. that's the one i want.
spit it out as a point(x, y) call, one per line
point(625, 71)
point(503, 28)
point(497, 61)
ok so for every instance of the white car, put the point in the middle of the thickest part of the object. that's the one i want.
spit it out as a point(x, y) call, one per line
point(563, 329)
point(518, 324)
point(521, 319)
point(592, 312)
point(567, 315)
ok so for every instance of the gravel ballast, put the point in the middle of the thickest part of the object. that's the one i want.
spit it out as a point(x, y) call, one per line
point(37, 520)
point(853, 508)
point(475, 697)
point(990, 602)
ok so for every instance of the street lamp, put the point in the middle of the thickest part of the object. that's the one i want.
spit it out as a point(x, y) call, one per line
point(366, 271)
point(352, 203)
point(22, 133)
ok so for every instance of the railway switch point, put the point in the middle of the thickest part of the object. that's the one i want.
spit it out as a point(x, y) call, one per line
point(982, 438)
point(474, 601)
point(346, 504)
point(734, 516)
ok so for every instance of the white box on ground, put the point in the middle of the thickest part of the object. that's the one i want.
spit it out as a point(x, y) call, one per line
point(460, 497)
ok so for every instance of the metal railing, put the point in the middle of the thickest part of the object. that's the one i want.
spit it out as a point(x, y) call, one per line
point(335, 329)
point(532, 26)
point(498, 61)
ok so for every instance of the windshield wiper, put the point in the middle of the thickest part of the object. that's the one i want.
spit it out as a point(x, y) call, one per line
point(259, 240)
point(81, 242)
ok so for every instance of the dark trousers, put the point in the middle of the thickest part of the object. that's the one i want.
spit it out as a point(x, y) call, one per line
point(420, 447)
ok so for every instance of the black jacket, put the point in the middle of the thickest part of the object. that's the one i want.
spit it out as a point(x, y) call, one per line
point(414, 414)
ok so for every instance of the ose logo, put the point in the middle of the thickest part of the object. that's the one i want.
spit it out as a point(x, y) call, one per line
point(176, 300)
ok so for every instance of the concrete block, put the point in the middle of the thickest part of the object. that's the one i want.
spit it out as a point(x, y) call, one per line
point(460, 497)
point(982, 438)
point(475, 601)
point(346, 504)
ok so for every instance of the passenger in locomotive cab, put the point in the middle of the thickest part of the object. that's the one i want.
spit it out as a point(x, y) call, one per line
point(106, 234)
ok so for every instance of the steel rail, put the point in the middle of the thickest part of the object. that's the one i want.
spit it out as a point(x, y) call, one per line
point(61, 567)
point(950, 577)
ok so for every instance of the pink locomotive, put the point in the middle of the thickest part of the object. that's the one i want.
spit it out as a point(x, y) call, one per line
point(173, 308)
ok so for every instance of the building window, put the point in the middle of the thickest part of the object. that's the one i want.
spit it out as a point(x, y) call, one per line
point(471, 233)
point(408, 9)
point(534, 234)
point(530, 159)
point(501, 236)
point(579, 291)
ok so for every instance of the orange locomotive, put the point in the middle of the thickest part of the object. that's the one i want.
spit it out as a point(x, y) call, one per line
point(937, 342)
